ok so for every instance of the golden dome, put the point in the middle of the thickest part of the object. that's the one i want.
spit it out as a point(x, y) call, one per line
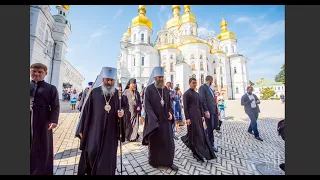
point(225, 34)
point(141, 19)
point(188, 16)
point(175, 20)
point(67, 7)
point(128, 33)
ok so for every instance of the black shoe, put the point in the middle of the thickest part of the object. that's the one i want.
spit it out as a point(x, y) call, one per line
point(174, 167)
point(154, 166)
point(258, 138)
point(198, 158)
point(282, 166)
point(250, 132)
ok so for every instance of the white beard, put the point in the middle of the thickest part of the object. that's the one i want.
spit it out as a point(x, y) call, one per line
point(107, 90)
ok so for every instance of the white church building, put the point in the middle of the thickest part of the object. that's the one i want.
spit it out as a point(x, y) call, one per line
point(48, 45)
point(182, 53)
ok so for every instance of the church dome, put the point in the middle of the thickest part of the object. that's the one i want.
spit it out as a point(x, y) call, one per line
point(67, 7)
point(225, 33)
point(128, 33)
point(188, 16)
point(175, 20)
point(141, 19)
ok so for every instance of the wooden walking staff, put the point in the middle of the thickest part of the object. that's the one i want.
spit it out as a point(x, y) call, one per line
point(120, 121)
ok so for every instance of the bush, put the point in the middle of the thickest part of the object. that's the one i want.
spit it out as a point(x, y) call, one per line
point(267, 93)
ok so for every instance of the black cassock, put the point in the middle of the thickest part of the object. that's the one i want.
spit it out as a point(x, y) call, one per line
point(46, 109)
point(100, 134)
point(196, 139)
point(157, 132)
point(132, 115)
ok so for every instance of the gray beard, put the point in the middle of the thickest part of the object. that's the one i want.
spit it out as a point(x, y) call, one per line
point(159, 84)
point(107, 90)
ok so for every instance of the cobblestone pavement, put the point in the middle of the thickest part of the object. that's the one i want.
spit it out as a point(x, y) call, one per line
point(238, 152)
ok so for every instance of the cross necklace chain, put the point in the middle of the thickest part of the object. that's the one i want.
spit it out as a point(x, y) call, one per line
point(162, 101)
point(107, 107)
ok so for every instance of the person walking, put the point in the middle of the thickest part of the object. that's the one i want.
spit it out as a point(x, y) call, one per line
point(250, 102)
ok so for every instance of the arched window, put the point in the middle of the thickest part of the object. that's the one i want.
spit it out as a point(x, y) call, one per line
point(142, 61)
point(171, 56)
point(221, 72)
point(171, 67)
point(207, 67)
point(171, 78)
point(215, 82)
point(233, 49)
point(134, 38)
point(194, 76)
point(60, 12)
point(202, 79)
point(142, 37)
point(214, 71)
point(134, 61)
point(193, 66)
point(64, 14)
point(201, 57)
point(201, 66)
point(192, 56)
point(172, 41)
point(235, 70)
point(164, 66)
point(237, 90)
point(226, 49)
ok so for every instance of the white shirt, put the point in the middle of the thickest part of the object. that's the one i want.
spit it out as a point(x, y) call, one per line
point(253, 103)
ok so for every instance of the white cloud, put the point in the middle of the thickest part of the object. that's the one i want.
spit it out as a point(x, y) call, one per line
point(204, 31)
point(99, 32)
point(243, 19)
point(162, 8)
point(118, 13)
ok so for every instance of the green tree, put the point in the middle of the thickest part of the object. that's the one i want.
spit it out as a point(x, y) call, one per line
point(267, 93)
point(280, 77)
point(251, 83)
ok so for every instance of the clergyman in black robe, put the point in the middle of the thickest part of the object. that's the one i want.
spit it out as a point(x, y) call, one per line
point(133, 110)
point(196, 139)
point(45, 110)
point(157, 133)
point(99, 128)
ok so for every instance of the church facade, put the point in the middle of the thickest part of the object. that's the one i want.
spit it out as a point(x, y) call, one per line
point(182, 54)
point(48, 45)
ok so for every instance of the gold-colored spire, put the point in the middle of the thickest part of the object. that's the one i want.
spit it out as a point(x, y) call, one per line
point(142, 9)
point(128, 33)
point(176, 10)
point(175, 20)
point(225, 34)
point(188, 16)
point(142, 19)
point(67, 7)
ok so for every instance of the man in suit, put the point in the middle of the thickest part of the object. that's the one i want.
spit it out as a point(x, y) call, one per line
point(250, 102)
point(208, 102)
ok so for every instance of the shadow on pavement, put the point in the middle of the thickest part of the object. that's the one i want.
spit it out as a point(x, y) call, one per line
point(66, 153)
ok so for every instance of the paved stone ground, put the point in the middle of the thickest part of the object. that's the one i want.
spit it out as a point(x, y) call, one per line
point(239, 153)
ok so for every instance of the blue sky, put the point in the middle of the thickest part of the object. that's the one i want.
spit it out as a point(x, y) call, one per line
point(97, 30)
